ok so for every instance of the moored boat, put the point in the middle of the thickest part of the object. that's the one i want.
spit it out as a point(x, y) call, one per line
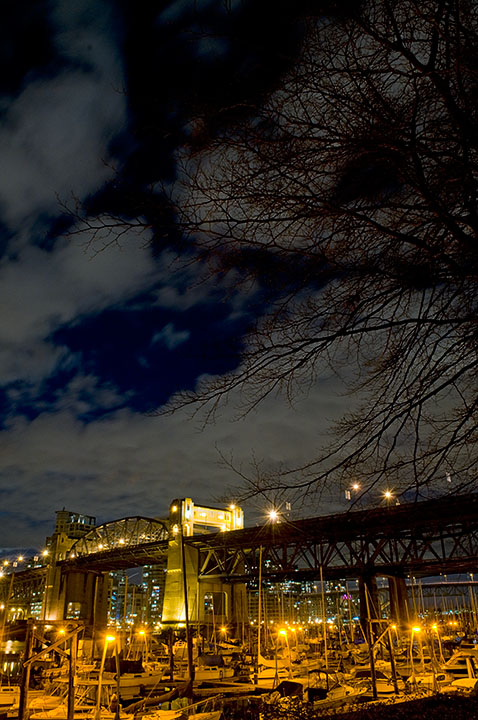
point(9, 696)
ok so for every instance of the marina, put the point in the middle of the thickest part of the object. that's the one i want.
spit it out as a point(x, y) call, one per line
point(236, 635)
point(268, 684)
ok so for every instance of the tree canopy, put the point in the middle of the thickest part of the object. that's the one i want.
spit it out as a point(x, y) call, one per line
point(351, 192)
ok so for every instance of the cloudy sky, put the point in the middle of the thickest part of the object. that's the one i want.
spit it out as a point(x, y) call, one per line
point(94, 339)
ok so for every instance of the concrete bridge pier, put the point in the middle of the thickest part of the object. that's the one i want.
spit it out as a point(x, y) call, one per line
point(399, 606)
point(210, 601)
point(369, 604)
point(86, 597)
point(181, 588)
point(77, 595)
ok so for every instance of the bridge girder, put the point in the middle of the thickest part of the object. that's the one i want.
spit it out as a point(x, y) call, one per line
point(422, 539)
point(26, 585)
point(121, 537)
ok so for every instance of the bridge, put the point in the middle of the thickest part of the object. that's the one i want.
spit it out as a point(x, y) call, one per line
point(421, 539)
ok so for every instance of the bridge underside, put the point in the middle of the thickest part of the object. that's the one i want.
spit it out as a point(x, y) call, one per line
point(423, 539)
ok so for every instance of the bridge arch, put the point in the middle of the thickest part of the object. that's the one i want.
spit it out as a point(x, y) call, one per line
point(127, 532)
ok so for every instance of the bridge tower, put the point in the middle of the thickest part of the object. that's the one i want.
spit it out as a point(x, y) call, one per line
point(79, 594)
point(209, 600)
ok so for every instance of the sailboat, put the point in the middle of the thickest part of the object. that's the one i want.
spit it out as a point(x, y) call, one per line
point(181, 708)
point(9, 696)
point(87, 705)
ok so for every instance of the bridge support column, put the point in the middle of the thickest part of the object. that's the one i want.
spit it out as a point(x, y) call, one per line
point(86, 598)
point(76, 596)
point(174, 601)
point(369, 604)
point(239, 610)
point(399, 607)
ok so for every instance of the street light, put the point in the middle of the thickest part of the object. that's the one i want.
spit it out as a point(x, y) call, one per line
point(416, 630)
point(144, 647)
point(273, 516)
point(108, 639)
point(435, 627)
point(283, 633)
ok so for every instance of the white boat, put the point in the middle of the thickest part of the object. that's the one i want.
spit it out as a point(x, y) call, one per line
point(461, 664)
point(207, 668)
point(181, 708)
point(383, 682)
point(340, 694)
point(329, 691)
point(50, 698)
point(85, 703)
point(212, 673)
point(180, 713)
point(136, 679)
point(80, 712)
point(466, 682)
point(9, 696)
point(430, 680)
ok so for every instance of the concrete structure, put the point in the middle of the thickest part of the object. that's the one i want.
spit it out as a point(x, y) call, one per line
point(76, 595)
point(418, 540)
point(209, 600)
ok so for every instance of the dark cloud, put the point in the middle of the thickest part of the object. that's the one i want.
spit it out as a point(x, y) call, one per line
point(95, 334)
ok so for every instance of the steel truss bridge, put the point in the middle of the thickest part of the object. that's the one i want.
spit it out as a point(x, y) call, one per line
point(121, 544)
point(420, 539)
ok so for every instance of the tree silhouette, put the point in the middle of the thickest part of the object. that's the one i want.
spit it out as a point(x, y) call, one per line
point(351, 194)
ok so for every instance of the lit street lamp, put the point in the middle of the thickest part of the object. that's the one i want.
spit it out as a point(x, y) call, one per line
point(108, 639)
point(435, 627)
point(387, 495)
point(283, 633)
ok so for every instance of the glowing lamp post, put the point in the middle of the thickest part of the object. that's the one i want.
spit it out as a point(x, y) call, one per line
point(108, 639)
point(416, 630)
point(144, 645)
point(283, 633)
point(435, 627)
point(388, 497)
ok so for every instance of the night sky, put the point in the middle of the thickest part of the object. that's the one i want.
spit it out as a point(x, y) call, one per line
point(96, 98)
